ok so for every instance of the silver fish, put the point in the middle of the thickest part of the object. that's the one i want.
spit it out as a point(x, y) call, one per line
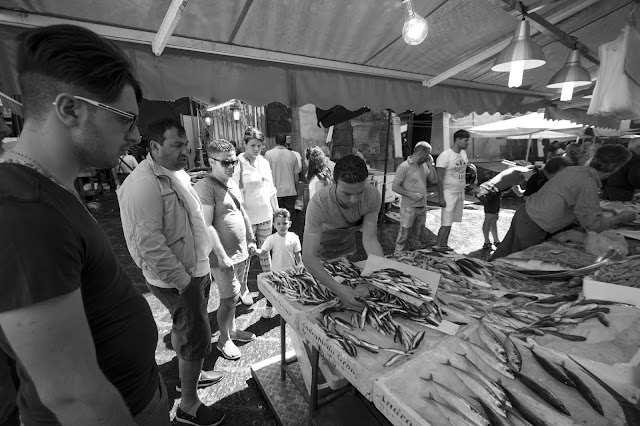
point(490, 359)
point(454, 417)
point(458, 402)
point(516, 419)
point(492, 342)
point(513, 354)
point(488, 382)
point(536, 412)
point(494, 416)
point(479, 389)
point(584, 390)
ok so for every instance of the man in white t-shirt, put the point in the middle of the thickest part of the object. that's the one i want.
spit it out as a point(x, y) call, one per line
point(285, 168)
point(451, 167)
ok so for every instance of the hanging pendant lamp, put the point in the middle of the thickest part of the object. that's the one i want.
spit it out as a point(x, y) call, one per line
point(572, 75)
point(521, 54)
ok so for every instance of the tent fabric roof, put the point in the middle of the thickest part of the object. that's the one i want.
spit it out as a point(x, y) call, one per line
point(524, 125)
point(321, 34)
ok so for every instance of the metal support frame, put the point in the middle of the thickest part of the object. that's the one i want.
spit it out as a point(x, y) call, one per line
point(169, 23)
point(384, 178)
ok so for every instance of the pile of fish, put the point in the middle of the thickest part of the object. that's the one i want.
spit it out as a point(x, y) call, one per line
point(299, 285)
point(625, 272)
point(464, 272)
point(563, 313)
point(380, 302)
point(336, 328)
point(503, 404)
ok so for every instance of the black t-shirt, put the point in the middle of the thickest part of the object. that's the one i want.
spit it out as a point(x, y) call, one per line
point(51, 246)
point(534, 183)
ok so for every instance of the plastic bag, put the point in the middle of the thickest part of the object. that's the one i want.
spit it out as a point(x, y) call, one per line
point(617, 95)
point(598, 244)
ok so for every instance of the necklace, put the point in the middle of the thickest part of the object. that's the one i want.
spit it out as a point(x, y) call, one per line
point(45, 173)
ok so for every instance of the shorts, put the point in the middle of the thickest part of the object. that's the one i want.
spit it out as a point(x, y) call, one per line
point(453, 211)
point(228, 279)
point(190, 318)
point(492, 203)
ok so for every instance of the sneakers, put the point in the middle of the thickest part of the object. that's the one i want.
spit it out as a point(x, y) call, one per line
point(229, 350)
point(211, 378)
point(247, 299)
point(243, 336)
point(486, 246)
point(269, 312)
point(205, 416)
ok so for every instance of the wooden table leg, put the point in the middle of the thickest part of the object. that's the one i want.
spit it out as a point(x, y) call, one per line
point(283, 348)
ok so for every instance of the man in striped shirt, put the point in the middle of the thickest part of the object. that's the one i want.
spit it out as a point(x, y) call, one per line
point(570, 196)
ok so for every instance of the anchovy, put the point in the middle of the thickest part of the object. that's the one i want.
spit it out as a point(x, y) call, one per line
point(458, 402)
point(490, 359)
point(453, 416)
point(543, 392)
point(553, 369)
point(492, 342)
point(394, 359)
point(537, 413)
point(479, 389)
point(584, 390)
point(417, 339)
point(339, 321)
point(513, 354)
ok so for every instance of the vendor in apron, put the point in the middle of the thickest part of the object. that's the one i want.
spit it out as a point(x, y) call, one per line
point(333, 216)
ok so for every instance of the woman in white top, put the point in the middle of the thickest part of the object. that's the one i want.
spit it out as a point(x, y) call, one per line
point(253, 176)
point(318, 173)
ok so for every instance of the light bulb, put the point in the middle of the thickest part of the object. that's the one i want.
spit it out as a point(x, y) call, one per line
point(515, 73)
point(567, 91)
point(415, 28)
point(236, 114)
point(208, 121)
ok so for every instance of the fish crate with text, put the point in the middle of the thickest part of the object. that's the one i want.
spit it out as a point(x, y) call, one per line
point(437, 385)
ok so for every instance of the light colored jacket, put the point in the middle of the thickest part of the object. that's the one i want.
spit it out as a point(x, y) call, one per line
point(157, 225)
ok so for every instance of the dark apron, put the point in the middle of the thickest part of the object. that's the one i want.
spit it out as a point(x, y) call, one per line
point(339, 242)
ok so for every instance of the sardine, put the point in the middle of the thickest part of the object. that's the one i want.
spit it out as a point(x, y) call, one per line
point(492, 342)
point(479, 389)
point(339, 321)
point(454, 417)
point(490, 359)
point(543, 392)
point(458, 402)
point(535, 412)
point(394, 359)
point(552, 368)
point(513, 354)
point(584, 390)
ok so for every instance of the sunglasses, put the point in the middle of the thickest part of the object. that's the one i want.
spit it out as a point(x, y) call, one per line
point(129, 116)
point(226, 163)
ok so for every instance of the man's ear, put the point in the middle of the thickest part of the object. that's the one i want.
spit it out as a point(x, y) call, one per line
point(69, 110)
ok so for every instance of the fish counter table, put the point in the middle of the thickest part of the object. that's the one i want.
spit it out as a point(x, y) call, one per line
point(517, 359)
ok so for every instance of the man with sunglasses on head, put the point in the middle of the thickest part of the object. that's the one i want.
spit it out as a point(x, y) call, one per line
point(164, 226)
point(83, 336)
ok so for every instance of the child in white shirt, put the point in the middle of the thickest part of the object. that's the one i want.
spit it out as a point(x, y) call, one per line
point(284, 246)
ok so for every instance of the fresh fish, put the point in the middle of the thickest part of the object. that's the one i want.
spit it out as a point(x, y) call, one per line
point(513, 354)
point(482, 376)
point(552, 368)
point(492, 342)
point(454, 417)
point(479, 389)
point(417, 339)
point(535, 412)
point(394, 359)
point(543, 392)
point(490, 359)
point(576, 309)
point(584, 390)
point(339, 321)
point(602, 317)
point(516, 419)
point(494, 416)
point(458, 402)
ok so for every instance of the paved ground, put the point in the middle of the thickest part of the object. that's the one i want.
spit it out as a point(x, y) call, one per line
point(238, 394)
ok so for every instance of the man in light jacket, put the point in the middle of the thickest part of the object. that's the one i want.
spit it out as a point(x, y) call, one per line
point(164, 227)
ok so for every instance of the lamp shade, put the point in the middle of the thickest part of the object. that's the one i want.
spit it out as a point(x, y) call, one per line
point(522, 48)
point(572, 72)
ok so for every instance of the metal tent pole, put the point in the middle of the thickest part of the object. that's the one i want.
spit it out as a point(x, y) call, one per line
point(386, 160)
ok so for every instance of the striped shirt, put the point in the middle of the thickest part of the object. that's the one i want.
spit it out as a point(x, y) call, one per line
point(570, 196)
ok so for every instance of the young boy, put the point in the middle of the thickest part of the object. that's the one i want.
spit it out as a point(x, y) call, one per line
point(284, 246)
